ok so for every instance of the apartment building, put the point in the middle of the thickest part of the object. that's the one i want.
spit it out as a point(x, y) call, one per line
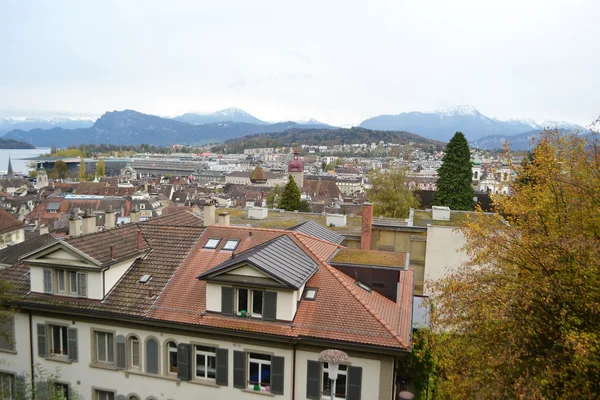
point(172, 309)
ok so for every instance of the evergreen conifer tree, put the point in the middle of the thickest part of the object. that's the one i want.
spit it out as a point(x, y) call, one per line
point(290, 198)
point(454, 188)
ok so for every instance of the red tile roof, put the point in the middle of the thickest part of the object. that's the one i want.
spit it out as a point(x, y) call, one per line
point(8, 222)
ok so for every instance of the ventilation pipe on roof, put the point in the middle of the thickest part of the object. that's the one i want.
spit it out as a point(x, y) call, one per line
point(367, 226)
point(110, 218)
point(139, 240)
point(224, 218)
point(112, 252)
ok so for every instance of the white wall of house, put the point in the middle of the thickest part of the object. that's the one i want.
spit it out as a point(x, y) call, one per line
point(18, 362)
point(36, 275)
point(443, 252)
point(114, 273)
point(12, 237)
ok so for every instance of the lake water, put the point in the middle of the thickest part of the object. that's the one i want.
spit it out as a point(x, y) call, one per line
point(19, 159)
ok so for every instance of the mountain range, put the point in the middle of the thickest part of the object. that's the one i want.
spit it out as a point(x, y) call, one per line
point(26, 124)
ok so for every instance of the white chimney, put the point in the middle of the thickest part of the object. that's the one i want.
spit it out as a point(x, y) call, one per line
point(109, 218)
point(209, 214)
point(74, 224)
point(224, 218)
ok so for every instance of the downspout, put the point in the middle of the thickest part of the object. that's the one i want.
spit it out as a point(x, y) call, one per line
point(394, 379)
point(293, 371)
point(31, 354)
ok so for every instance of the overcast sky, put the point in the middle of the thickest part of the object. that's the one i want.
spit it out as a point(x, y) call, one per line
point(336, 61)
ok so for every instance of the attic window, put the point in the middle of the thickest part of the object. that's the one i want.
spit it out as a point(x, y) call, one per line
point(363, 286)
point(145, 278)
point(310, 294)
point(212, 243)
point(231, 244)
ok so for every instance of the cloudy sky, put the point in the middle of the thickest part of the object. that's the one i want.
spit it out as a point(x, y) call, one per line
point(336, 61)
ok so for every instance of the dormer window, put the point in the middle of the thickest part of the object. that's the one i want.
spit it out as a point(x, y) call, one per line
point(231, 245)
point(212, 243)
point(249, 302)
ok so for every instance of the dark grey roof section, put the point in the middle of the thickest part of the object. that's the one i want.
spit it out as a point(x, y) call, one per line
point(280, 258)
point(11, 254)
point(53, 206)
point(317, 230)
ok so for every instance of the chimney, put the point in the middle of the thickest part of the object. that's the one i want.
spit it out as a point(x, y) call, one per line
point(110, 218)
point(74, 224)
point(134, 214)
point(366, 229)
point(89, 222)
point(112, 252)
point(209, 214)
point(139, 240)
point(224, 218)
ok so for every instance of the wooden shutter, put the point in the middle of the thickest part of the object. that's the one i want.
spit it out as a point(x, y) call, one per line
point(47, 280)
point(121, 352)
point(135, 352)
point(72, 344)
point(277, 374)
point(313, 380)
point(222, 367)
point(270, 306)
point(151, 356)
point(354, 383)
point(7, 334)
point(82, 284)
point(41, 336)
point(184, 358)
point(226, 300)
point(239, 369)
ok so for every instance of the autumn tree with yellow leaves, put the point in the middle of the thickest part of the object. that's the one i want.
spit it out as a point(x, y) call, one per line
point(522, 319)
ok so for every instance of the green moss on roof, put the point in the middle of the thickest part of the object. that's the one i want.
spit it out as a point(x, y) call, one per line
point(370, 257)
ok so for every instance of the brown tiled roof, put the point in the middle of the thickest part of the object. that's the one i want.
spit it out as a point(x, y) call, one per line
point(8, 222)
point(258, 174)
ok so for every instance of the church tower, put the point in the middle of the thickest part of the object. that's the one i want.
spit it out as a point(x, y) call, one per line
point(296, 170)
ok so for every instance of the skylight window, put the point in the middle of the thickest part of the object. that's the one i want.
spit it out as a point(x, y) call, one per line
point(212, 243)
point(363, 286)
point(310, 294)
point(231, 244)
point(145, 278)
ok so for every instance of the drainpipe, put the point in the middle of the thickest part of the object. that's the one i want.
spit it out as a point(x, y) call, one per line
point(293, 371)
point(31, 354)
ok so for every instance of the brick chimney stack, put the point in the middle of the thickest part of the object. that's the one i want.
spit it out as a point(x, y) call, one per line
point(367, 226)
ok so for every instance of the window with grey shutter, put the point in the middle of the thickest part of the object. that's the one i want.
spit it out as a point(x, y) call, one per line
point(73, 350)
point(313, 380)
point(270, 306)
point(184, 356)
point(121, 352)
point(354, 383)
point(41, 336)
point(222, 367)
point(82, 284)
point(277, 374)
point(226, 300)
point(7, 334)
point(152, 356)
point(47, 280)
point(239, 369)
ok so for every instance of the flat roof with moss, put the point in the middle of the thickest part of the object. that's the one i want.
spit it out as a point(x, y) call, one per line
point(374, 258)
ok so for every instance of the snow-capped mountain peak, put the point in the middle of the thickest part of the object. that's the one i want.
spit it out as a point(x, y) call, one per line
point(231, 111)
point(462, 110)
point(545, 123)
point(308, 121)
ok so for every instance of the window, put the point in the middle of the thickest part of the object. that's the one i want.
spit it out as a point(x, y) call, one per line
point(63, 389)
point(152, 354)
point(7, 385)
point(60, 280)
point(206, 362)
point(7, 335)
point(310, 294)
point(104, 347)
point(58, 340)
point(259, 371)
point(339, 384)
point(172, 357)
point(78, 283)
point(250, 300)
point(48, 281)
point(134, 352)
point(212, 243)
point(231, 245)
point(103, 395)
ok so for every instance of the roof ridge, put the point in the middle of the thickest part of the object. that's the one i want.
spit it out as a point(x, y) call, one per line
point(318, 239)
point(337, 274)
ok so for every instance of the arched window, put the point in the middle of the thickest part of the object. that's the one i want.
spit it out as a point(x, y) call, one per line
point(133, 352)
point(171, 357)
point(152, 356)
point(133, 397)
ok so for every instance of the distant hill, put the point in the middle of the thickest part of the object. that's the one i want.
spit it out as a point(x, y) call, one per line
point(232, 114)
point(441, 125)
point(326, 137)
point(14, 144)
point(520, 142)
point(132, 127)
point(26, 124)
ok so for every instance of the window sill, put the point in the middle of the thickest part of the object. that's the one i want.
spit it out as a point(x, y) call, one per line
point(62, 359)
point(204, 382)
point(140, 373)
point(9, 351)
point(108, 366)
point(248, 390)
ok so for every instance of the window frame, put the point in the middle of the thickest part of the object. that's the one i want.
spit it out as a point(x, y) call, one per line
point(260, 362)
point(249, 302)
point(206, 354)
point(305, 296)
point(95, 359)
point(168, 351)
point(11, 381)
point(74, 289)
point(50, 280)
point(236, 243)
point(50, 340)
point(96, 393)
point(61, 273)
point(11, 337)
point(326, 381)
point(130, 364)
point(206, 245)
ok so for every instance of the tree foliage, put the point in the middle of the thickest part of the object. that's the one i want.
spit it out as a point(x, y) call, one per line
point(290, 197)
point(273, 196)
point(100, 169)
point(454, 188)
point(59, 171)
point(522, 318)
point(390, 194)
point(81, 169)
